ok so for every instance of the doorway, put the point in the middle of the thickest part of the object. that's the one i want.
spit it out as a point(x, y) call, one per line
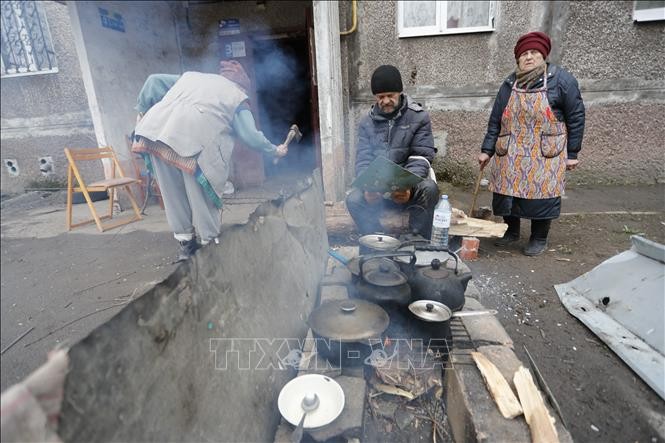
point(284, 97)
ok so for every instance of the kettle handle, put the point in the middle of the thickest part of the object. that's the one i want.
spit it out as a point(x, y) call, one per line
point(439, 249)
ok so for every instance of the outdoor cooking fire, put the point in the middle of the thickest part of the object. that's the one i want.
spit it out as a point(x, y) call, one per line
point(332, 221)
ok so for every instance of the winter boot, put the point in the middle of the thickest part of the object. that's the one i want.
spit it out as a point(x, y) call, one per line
point(187, 249)
point(538, 240)
point(512, 233)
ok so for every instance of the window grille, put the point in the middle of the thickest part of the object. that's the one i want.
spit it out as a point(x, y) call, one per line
point(26, 44)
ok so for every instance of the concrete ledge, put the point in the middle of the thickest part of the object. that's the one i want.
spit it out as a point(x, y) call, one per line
point(484, 330)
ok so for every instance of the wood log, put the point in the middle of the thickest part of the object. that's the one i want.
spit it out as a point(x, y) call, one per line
point(504, 397)
point(537, 416)
point(339, 222)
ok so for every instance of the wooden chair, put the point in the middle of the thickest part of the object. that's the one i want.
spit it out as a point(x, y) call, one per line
point(108, 185)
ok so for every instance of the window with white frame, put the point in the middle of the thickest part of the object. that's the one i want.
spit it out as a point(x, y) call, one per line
point(25, 42)
point(419, 18)
point(649, 10)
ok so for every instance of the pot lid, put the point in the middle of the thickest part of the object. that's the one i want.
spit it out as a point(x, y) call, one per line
point(435, 271)
point(379, 242)
point(328, 391)
point(384, 273)
point(349, 320)
point(423, 258)
point(430, 310)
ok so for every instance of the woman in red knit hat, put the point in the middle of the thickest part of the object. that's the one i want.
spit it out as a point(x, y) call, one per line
point(534, 135)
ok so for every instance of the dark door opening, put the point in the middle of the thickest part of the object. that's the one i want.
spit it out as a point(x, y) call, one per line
point(283, 90)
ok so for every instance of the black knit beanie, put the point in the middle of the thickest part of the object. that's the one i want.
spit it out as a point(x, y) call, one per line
point(386, 78)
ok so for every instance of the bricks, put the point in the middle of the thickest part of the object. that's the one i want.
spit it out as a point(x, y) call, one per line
point(469, 249)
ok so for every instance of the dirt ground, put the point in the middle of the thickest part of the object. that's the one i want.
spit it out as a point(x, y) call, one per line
point(601, 398)
point(65, 284)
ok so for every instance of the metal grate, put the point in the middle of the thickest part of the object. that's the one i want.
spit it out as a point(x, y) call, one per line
point(27, 48)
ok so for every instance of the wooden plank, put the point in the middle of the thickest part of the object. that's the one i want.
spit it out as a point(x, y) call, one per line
point(498, 386)
point(537, 416)
point(475, 227)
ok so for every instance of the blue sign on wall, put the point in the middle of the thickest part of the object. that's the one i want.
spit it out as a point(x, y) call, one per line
point(114, 21)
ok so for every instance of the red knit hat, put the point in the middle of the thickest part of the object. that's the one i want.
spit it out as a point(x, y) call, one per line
point(533, 40)
point(234, 71)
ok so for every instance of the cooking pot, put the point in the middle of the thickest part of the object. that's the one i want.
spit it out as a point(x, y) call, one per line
point(436, 282)
point(384, 243)
point(382, 282)
point(432, 323)
point(353, 264)
point(346, 329)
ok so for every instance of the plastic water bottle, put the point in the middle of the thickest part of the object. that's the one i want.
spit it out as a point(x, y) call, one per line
point(441, 223)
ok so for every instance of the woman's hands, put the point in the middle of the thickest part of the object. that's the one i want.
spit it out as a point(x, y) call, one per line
point(281, 150)
point(483, 160)
point(571, 163)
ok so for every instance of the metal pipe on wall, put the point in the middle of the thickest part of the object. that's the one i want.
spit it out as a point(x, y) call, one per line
point(354, 19)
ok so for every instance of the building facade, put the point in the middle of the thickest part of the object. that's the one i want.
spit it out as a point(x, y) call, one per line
point(312, 66)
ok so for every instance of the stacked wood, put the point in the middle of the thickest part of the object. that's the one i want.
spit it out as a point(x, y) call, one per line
point(339, 222)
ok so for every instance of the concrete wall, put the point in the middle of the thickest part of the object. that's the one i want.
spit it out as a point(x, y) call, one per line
point(115, 64)
point(154, 372)
point(42, 114)
point(620, 66)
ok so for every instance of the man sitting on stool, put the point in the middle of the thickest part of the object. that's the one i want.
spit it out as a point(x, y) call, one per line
point(399, 129)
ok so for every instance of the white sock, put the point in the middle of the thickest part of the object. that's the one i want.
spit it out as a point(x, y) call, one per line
point(184, 237)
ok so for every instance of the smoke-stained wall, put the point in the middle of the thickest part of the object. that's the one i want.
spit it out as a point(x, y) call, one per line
point(198, 26)
point(116, 63)
point(42, 114)
point(620, 65)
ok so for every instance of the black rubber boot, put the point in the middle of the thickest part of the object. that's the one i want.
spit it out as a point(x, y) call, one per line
point(538, 240)
point(512, 233)
point(187, 249)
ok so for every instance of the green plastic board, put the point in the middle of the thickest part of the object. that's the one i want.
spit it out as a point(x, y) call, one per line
point(382, 175)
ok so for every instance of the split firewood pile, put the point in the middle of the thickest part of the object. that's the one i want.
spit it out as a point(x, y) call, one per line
point(530, 403)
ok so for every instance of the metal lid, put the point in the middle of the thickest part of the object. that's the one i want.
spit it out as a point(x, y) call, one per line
point(349, 320)
point(379, 242)
point(435, 271)
point(328, 392)
point(423, 258)
point(430, 310)
point(384, 273)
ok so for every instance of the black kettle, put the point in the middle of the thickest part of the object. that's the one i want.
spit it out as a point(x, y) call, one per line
point(437, 282)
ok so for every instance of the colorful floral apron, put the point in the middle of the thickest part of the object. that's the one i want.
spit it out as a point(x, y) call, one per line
point(530, 153)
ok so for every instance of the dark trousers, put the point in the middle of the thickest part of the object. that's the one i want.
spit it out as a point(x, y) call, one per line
point(424, 197)
point(539, 228)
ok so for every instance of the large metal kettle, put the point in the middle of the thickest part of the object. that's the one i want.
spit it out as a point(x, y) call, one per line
point(437, 282)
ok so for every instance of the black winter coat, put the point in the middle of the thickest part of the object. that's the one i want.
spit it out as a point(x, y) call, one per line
point(408, 133)
point(563, 94)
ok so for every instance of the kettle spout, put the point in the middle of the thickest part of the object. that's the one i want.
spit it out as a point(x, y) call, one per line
point(464, 279)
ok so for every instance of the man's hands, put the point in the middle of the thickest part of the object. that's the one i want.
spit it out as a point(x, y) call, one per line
point(372, 197)
point(571, 163)
point(282, 150)
point(483, 160)
point(400, 197)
